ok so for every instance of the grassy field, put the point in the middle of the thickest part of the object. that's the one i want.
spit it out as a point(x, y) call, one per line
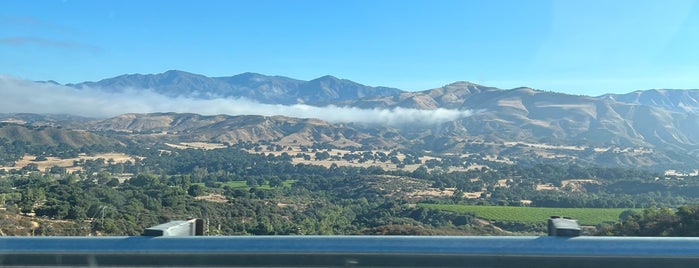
point(585, 216)
point(67, 162)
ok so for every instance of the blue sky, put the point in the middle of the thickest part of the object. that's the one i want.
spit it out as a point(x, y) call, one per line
point(578, 47)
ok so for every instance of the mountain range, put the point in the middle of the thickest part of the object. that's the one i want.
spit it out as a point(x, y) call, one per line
point(655, 118)
point(661, 126)
point(258, 87)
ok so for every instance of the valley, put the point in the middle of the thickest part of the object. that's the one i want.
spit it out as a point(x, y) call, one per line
point(349, 118)
point(187, 177)
point(463, 159)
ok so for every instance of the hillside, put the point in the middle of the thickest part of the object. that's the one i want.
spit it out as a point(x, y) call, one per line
point(529, 115)
point(258, 87)
point(654, 128)
point(676, 100)
point(52, 136)
point(236, 129)
point(63, 120)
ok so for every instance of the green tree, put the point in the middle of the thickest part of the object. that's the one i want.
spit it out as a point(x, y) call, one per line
point(196, 190)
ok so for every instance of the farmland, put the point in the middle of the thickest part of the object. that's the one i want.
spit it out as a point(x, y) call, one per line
point(585, 216)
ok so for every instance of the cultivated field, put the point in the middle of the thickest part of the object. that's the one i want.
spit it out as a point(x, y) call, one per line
point(585, 216)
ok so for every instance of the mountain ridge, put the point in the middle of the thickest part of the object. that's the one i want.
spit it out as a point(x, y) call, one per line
point(663, 120)
point(253, 86)
point(329, 89)
point(678, 100)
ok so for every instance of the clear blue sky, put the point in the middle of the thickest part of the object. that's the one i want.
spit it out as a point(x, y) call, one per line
point(579, 47)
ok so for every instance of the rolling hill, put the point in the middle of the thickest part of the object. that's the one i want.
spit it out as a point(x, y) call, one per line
point(52, 136)
point(642, 128)
point(247, 128)
point(676, 100)
point(525, 114)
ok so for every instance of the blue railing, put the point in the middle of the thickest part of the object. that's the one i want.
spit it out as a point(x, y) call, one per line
point(341, 251)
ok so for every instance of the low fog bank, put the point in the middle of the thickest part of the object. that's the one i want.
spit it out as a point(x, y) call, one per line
point(21, 96)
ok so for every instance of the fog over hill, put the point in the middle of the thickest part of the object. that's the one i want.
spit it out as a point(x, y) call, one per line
point(525, 114)
point(21, 96)
point(444, 119)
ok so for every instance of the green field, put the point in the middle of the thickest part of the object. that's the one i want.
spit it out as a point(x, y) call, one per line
point(585, 216)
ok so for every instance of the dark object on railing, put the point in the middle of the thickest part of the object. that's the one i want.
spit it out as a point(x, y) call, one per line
point(193, 227)
point(342, 251)
point(558, 226)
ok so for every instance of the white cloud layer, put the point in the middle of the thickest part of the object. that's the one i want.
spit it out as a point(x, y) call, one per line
point(21, 96)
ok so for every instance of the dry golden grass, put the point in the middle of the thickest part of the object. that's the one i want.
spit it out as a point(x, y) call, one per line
point(342, 162)
point(216, 198)
point(546, 146)
point(544, 187)
point(502, 183)
point(469, 168)
point(196, 145)
point(432, 192)
point(68, 162)
point(473, 195)
point(570, 185)
point(582, 181)
point(384, 165)
point(578, 185)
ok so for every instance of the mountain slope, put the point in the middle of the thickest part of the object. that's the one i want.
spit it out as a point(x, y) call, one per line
point(463, 137)
point(262, 88)
point(248, 128)
point(683, 101)
point(661, 125)
point(47, 135)
point(525, 114)
point(63, 120)
point(452, 96)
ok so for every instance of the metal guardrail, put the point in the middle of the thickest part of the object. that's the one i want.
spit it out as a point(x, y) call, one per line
point(342, 251)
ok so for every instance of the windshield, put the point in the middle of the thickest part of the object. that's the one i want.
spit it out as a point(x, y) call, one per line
point(448, 118)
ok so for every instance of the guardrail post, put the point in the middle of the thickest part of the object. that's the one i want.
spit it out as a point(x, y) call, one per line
point(192, 227)
point(565, 226)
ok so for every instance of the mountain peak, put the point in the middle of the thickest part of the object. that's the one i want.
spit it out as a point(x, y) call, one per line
point(462, 87)
point(525, 90)
point(327, 78)
point(250, 74)
point(253, 86)
point(175, 72)
point(247, 76)
point(178, 73)
point(48, 82)
point(464, 84)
